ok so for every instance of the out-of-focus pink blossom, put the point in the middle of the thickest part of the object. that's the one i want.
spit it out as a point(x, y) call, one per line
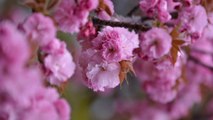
point(55, 46)
point(156, 8)
point(202, 50)
point(116, 44)
point(70, 15)
point(189, 3)
point(86, 35)
point(159, 79)
point(186, 98)
point(87, 31)
point(58, 61)
point(46, 105)
point(155, 43)
point(22, 93)
point(39, 28)
point(172, 6)
point(193, 20)
point(59, 64)
point(141, 110)
point(13, 46)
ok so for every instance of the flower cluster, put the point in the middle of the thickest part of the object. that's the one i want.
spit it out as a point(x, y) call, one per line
point(57, 60)
point(70, 15)
point(22, 93)
point(101, 62)
point(168, 48)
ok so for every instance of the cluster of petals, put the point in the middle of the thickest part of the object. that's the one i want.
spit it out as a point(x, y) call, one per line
point(58, 62)
point(157, 8)
point(100, 63)
point(39, 29)
point(22, 93)
point(86, 35)
point(191, 2)
point(188, 95)
point(202, 51)
point(98, 75)
point(159, 78)
point(70, 15)
point(155, 43)
point(192, 21)
point(116, 44)
point(141, 110)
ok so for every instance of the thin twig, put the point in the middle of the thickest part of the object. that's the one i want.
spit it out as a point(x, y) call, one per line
point(201, 51)
point(200, 63)
point(136, 27)
point(133, 10)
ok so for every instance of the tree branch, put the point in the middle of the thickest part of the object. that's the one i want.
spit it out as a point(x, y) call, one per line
point(136, 27)
point(200, 63)
point(201, 51)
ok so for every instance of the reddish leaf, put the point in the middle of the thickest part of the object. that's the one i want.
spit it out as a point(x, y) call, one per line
point(104, 7)
point(126, 66)
point(40, 1)
point(175, 32)
point(178, 42)
point(174, 53)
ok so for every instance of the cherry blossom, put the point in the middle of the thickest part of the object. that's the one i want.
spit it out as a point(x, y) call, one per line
point(155, 43)
point(70, 15)
point(116, 44)
point(39, 28)
point(193, 20)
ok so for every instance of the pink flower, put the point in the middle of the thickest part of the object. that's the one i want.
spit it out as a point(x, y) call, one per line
point(87, 31)
point(63, 109)
point(155, 43)
point(22, 93)
point(187, 97)
point(189, 3)
point(97, 73)
point(159, 79)
point(163, 12)
point(116, 44)
point(86, 35)
point(15, 86)
point(158, 8)
point(13, 46)
point(103, 76)
point(59, 65)
point(141, 110)
point(148, 4)
point(193, 20)
point(172, 6)
point(55, 46)
point(151, 113)
point(71, 15)
point(199, 74)
point(39, 28)
point(46, 105)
